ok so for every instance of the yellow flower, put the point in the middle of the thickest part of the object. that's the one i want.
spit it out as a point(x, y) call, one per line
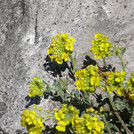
point(40, 109)
point(117, 79)
point(71, 108)
point(131, 96)
point(62, 116)
point(65, 57)
point(71, 39)
point(119, 91)
point(30, 94)
point(60, 128)
point(90, 110)
point(55, 109)
point(100, 109)
point(101, 124)
point(39, 122)
point(122, 72)
point(102, 47)
point(62, 123)
point(58, 35)
point(26, 112)
point(29, 120)
point(98, 35)
point(97, 56)
point(49, 51)
point(64, 36)
point(56, 116)
point(89, 125)
point(23, 120)
point(78, 84)
point(69, 46)
point(33, 112)
point(95, 118)
point(93, 80)
point(34, 106)
point(59, 61)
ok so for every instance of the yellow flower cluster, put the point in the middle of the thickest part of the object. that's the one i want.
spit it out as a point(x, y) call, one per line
point(61, 47)
point(64, 116)
point(101, 46)
point(87, 79)
point(115, 81)
point(33, 123)
point(87, 124)
point(131, 86)
point(36, 87)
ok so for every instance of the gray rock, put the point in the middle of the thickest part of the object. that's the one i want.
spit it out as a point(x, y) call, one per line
point(26, 29)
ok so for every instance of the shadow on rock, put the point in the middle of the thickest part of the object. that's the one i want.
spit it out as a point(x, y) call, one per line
point(32, 100)
point(89, 61)
point(49, 130)
point(102, 101)
point(36, 100)
point(53, 67)
point(107, 68)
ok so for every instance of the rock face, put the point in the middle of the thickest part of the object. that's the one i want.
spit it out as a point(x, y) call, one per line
point(26, 29)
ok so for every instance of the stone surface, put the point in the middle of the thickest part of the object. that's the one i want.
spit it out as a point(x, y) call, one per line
point(26, 29)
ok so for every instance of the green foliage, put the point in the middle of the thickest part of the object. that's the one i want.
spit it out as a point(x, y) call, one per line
point(121, 104)
point(79, 114)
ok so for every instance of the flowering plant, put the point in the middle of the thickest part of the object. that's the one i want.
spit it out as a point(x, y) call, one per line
point(112, 115)
point(61, 47)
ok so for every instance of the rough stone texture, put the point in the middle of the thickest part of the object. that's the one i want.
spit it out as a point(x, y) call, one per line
point(26, 29)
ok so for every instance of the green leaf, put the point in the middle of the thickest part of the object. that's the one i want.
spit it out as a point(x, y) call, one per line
point(110, 125)
point(122, 129)
point(106, 114)
point(123, 51)
point(67, 95)
point(77, 95)
point(119, 104)
point(115, 129)
point(86, 96)
point(132, 120)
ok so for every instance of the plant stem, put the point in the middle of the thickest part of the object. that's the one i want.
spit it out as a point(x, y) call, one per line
point(123, 67)
point(104, 62)
point(73, 60)
point(82, 93)
point(70, 70)
point(70, 126)
point(122, 62)
point(117, 114)
point(107, 127)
